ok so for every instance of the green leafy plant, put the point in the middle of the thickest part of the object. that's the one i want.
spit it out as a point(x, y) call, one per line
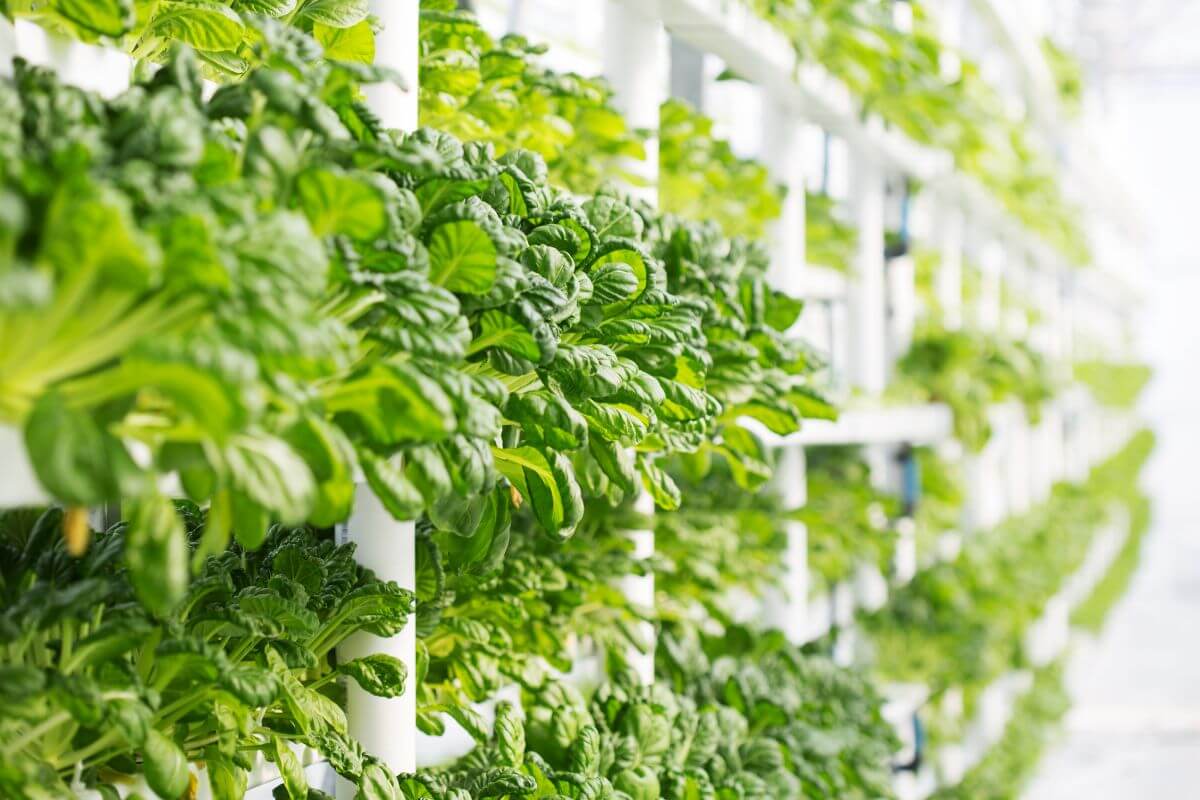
point(1010, 763)
point(224, 34)
point(846, 517)
point(969, 371)
point(898, 74)
point(97, 691)
point(1115, 385)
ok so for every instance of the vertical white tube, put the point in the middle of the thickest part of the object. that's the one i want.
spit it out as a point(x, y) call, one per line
point(8, 46)
point(786, 609)
point(636, 64)
point(639, 589)
point(948, 282)
point(396, 46)
point(387, 727)
point(783, 150)
point(868, 363)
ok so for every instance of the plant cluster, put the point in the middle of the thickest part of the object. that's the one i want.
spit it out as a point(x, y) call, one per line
point(962, 624)
point(970, 371)
point(224, 35)
point(1010, 763)
point(846, 517)
point(897, 71)
point(1113, 384)
point(99, 692)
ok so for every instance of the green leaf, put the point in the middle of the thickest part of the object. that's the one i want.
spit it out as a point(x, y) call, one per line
point(113, 18)
point(226, 780)
point(509, 732)
point(295, 783)
point(74, 458)
point(462, 257)
point(660, 485)
point(203, 24)
point(164, 765)
point(335, 13)
point(379, 674)
point(339, 203)
point(497, 329)
point(268, 8)
point(377, 783)
point(398, 494)
point(547, 483)
point(355, 43)
point(268, 472)
point(156, 554)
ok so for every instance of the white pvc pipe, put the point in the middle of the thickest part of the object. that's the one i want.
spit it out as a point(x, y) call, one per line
point(949, 275)
point(636, 64)
point(786, 609)
point(396, 46)
point(639, 590)
point(385, 726)
point(868, 366)
point(783, 149)
point(8, 46)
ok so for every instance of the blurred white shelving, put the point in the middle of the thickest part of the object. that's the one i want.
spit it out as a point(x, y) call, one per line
point(912, 424)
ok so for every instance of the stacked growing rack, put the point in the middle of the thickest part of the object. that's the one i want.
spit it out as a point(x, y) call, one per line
point(480, 350)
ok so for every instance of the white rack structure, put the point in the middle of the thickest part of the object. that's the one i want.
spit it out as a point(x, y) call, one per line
point(1016, 469)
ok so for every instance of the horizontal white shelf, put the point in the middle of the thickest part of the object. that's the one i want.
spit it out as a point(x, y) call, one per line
point(913, 424)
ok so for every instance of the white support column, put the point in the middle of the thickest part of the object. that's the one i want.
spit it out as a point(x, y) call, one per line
point(8, 46)
point(639, 590)
point(397, 46)
point(991, 267)
point(783, 150)
point(949, 283)
point(868, 365)
point(387, 727)
point(636, 64)
point(787, 609)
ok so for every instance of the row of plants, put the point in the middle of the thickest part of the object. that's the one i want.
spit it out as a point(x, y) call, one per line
point(422, 255)
point(961, 625)
point(971, 371)
point(504, 347)
point(901, 72)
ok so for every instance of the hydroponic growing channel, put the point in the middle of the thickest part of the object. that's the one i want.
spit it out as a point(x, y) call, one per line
point(389, 414)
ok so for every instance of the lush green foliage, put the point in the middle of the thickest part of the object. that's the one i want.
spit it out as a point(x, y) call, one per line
point(1068, 76)
point(962, 623)
point(1009, 764)
point(846, 517)
point(95, 688)
point(225, 35)
point(479, 89)
point(700, 177)
point(970, 371)
point(1113, 384)
point(899, 75)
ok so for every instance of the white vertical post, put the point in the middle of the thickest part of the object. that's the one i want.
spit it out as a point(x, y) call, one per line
point(991, 266)
point(639, 590)
point(783, 150)
point(786, 610)
point(387, 727)
point(950, 264)
point(8, 46)
point(397, 46)
point(868, 368)
point(636, 64)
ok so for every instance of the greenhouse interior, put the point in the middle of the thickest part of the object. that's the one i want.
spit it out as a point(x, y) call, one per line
point(598, 399)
